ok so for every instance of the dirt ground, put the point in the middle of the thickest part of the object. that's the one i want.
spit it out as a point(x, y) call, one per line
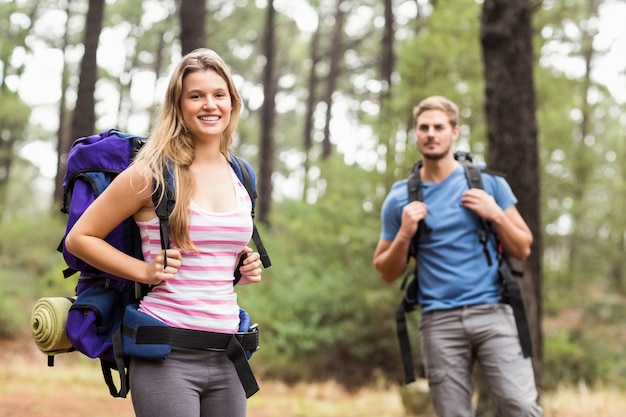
point(29, 388)
point(74, 387)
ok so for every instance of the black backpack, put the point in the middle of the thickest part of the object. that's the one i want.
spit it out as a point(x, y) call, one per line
point(511, 290)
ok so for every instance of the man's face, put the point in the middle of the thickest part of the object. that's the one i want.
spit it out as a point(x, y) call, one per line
point(435, 134)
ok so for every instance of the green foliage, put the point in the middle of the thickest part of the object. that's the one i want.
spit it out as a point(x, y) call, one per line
point(322, 302)
point(30, 268)
point(581, 150)
point(435, 61)
point(586, 344)
point(14, 114)
point(323, 311)
point(566, 361)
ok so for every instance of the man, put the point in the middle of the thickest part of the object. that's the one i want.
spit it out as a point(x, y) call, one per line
point(463, 319)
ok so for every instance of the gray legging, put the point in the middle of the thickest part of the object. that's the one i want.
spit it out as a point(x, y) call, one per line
point(189, 383)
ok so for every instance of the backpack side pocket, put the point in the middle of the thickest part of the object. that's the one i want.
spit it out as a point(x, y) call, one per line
point(93, 318)
point(133, 342)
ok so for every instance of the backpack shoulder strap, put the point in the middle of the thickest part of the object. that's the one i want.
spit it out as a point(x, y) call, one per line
point(473, 174)
point(163, 206)
point(163, 200)
point(414, 183)
point(512, 292)
point(414, 188)
point(246, 175)
point(409, 302)
point(474, 180)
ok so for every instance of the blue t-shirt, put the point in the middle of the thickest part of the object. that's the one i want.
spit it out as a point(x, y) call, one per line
point(453, 268)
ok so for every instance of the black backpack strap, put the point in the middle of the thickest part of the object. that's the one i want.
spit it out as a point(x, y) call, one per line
point(409, 302)
point(513, 296)
point(414, 185)
point(474, 179)
point(235, 352)
point(107, 371)
point(248, 183)
point(234, 345)
point(163, 200)
point(511, 288)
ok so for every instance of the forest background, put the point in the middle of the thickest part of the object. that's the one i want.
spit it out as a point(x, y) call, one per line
point(328, 88)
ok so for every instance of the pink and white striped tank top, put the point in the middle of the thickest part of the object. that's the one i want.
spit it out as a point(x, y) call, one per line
point(201, 294)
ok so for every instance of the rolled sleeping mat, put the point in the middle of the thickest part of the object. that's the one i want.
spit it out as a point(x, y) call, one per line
point(48, 323)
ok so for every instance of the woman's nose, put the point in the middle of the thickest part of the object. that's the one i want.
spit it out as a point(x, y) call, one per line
point(208, 103)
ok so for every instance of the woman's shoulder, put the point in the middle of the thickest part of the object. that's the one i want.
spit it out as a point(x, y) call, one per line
point(137, 183)
point(136, 179)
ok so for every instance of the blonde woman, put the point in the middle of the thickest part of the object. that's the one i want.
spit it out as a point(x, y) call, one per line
point(210, 227)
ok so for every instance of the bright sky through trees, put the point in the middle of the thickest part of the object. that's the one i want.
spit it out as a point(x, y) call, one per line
point(41, 82)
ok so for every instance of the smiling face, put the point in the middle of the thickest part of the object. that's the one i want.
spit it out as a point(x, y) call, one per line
point(435, 134)
point(206, 104)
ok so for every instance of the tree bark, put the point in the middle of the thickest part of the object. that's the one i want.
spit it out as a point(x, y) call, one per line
point(388, 60)
point(63, 139)
point(84, 118)
point(311, 103)
point(582, 169)
point(336, 53)
point(192, 21)
point(387, 66)
point(268, 116)
point(506, 38)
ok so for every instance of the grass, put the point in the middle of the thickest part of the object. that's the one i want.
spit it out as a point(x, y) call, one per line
point(581, 401)
point(74, 388)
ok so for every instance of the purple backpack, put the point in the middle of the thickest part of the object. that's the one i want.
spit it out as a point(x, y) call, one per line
point(92, 163)
point(94, 319)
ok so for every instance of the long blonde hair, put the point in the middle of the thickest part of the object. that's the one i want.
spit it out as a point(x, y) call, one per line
point(171, 146)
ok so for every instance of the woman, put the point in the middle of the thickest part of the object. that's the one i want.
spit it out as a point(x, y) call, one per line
point(210, 227)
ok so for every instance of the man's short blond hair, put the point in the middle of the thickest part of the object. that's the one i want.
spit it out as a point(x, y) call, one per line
point(437, 103)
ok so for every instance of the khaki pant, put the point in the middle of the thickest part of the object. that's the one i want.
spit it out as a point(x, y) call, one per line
point(452, 340)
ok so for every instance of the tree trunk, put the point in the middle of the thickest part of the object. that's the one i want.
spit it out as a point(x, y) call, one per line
point(582, 168)
point(158, 62)
point(336, 53)
point(268, 116)
point(63, 140)
point(14, 114)
point(506, 38)
point(84, 119)
point(192, 21)
point(387, 66)
point(311, 103)
point(387, 63)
